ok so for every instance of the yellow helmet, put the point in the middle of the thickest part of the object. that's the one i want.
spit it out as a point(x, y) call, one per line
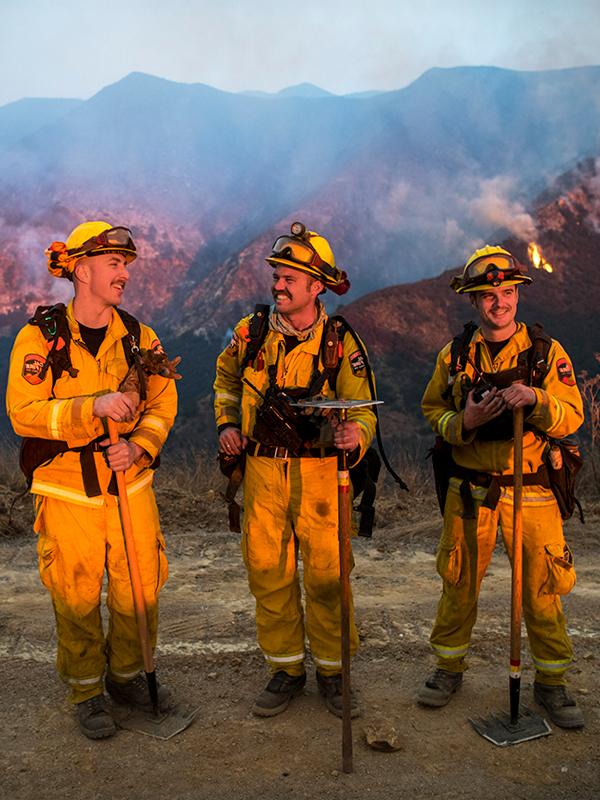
point(311, 253)
point(490, 266)
point(89, 239)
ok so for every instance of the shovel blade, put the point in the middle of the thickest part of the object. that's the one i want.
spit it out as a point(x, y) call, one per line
point(163, 725)
point(499, 730)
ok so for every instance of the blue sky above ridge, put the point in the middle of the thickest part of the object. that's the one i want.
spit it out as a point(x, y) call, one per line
point(75, 47)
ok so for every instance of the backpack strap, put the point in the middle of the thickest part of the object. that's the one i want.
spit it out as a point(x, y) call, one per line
point(330, 354)
point(131, 342)
point(332, 347)
point(538, 354)
point(257, 333)
point(52, 322)
point(131, 348)
point(349, 329)
point(459, 349)
point(532, 362)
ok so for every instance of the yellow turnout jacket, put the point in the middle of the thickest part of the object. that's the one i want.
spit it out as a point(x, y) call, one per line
point(558, 410)
point(237, 403)
point(65, 411)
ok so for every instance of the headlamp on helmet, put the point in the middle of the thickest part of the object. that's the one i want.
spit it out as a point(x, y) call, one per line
point(298, 229)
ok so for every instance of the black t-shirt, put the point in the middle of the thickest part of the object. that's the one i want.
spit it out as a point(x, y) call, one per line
point(290, 342)
point(495, 347)
point(92, 337)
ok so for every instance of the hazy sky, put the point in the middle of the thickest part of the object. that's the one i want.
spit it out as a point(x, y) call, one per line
point(72, 48)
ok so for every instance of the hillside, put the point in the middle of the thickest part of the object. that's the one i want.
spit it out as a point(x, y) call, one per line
point(400, 181)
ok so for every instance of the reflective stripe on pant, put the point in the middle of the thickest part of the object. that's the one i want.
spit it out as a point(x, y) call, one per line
point(291, 505)
point(464, 552)
point(76, 545)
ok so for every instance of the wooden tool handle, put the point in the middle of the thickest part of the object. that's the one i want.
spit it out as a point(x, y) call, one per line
point(516, 605)
point(345, 566)
point(134, 569)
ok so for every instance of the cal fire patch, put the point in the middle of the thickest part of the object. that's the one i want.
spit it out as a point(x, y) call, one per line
point(357, 364)
point(157, 347)
point(565, 372)
point(32, 367)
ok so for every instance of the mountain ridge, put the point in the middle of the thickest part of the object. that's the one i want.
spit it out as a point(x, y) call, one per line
point(394, 180)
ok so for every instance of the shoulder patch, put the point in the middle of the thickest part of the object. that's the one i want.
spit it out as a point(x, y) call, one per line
point(32, 368)
point(565, 372)
point(357, 364)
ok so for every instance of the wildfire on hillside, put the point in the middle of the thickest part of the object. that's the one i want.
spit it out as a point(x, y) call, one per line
point(537, 259)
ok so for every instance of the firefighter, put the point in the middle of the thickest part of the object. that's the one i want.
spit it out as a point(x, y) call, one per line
point(290, 482)
point(469, 403)
point(62, 417)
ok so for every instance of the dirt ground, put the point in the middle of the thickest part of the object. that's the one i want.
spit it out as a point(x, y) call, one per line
point(208, 656)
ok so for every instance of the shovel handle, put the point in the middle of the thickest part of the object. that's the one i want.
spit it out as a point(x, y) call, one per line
point(345, 566)
point(139, 603)
point(516, 605)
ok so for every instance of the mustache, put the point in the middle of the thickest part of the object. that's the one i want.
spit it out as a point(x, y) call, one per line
point(282, 292)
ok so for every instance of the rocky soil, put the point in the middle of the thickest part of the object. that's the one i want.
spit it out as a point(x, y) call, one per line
point(208, 656)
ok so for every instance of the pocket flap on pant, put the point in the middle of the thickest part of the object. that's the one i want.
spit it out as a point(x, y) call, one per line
point(162, 566)
point(561, 576)
point(449, 563)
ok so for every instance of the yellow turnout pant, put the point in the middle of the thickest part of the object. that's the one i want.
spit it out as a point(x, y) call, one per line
point(464, 552)
point(76, 545)
point(290, 506)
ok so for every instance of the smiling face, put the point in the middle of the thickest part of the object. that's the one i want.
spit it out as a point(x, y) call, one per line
point(105, 277)
point(293, 290)
point(497, 309)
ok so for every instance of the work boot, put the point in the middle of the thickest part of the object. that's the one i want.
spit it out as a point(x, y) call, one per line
point(135, 693)
point(439, 688)
point(94, 718)
point(561, 707)
point(277, 694)
point(330, 688)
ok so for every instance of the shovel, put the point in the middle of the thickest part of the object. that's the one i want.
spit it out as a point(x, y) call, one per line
point(514, 728)
point(342, 406)
point(158, 724)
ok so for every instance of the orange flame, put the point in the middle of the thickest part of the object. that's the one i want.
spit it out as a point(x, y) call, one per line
point(537, 259)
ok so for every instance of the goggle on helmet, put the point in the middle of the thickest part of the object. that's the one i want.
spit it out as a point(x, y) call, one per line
point(300, 251)
point(487, 268)
point(89, 239)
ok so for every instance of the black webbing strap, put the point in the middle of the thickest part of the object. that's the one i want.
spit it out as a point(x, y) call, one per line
point(89, 473)
point(257, 333)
